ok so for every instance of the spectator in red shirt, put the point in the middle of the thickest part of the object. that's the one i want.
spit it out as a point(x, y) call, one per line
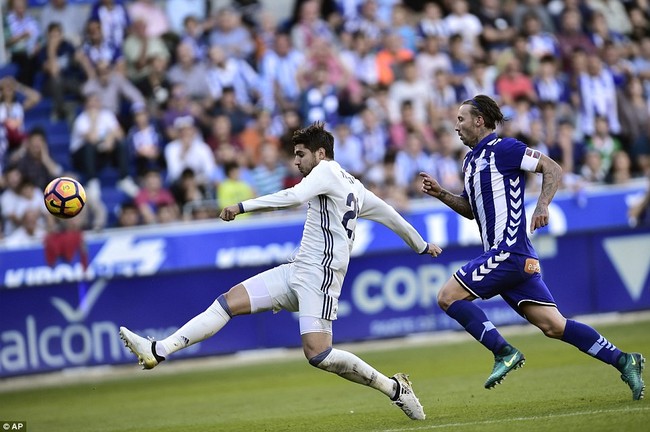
point(65, 241)
point(512, 83)
point(151, 196)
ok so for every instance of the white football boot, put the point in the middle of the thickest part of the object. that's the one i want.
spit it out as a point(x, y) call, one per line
point(405, 398)
point(143, 348)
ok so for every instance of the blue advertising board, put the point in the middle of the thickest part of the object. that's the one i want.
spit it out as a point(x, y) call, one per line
point(387, 294)
point(267, 240)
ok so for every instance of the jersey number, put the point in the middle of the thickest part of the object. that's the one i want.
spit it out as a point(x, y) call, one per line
point(350, 217)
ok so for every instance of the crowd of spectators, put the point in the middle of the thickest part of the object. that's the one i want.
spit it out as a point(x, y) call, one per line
point(193, 106)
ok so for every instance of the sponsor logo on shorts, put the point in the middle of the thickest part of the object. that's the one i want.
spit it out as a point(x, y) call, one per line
point(532, 266)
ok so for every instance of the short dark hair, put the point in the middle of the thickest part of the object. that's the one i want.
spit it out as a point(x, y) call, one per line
point(37, 131)
point(484, 106)
point(314, 137)
point(547, 58)
point(54, 25)
point(229, 167)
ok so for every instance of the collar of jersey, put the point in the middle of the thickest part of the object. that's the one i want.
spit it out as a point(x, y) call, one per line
point(484, 141)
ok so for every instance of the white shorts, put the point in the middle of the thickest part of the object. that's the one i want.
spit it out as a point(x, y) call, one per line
point(312, 293)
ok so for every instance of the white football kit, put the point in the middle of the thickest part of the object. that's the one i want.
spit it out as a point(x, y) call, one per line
point(311, 283)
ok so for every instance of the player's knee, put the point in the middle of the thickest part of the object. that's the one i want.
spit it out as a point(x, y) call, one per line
point(552, 330)
point(318, 359)
point(237, 301)
point(444, 299)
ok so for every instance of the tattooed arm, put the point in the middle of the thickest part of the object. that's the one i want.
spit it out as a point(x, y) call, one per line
point(455, 202)
point(551, 179)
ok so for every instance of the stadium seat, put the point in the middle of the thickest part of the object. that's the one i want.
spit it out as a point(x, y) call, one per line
point(9, 69)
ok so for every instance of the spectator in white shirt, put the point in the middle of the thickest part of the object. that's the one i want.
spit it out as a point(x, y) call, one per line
point(70, 17)
point(461, 21)
point(188, 151)
point(430, 58)
point(615, 13)
point(97, 141)
point(29, 233)
point(414, 88)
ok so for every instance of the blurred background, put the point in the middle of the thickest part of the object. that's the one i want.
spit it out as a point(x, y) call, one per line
point(168, 111)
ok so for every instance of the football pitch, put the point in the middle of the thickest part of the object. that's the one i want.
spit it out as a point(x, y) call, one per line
point(559, 389)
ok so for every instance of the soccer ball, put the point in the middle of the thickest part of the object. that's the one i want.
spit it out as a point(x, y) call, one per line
point(64, 197)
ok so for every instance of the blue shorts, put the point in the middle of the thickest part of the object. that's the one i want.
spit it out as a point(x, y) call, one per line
point(514, 277)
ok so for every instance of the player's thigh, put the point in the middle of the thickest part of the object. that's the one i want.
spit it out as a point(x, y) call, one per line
point(491, 274)
point(318, 291)
point(545, 317)
point(533, 300)
point(452, 291)
point(270, 290)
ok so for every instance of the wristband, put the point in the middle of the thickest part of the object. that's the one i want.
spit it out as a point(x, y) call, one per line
point(241, 208)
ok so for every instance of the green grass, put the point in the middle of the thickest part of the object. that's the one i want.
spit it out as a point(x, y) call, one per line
point(559, 389)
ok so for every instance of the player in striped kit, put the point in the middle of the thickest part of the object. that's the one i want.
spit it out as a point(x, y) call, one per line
point(495, 176)
point(311, 283)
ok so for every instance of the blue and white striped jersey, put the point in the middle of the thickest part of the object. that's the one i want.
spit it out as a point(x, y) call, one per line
point(495, 181)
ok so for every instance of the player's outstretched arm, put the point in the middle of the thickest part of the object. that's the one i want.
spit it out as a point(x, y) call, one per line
point(551, 178)
point(455, 202)
point(375, 209)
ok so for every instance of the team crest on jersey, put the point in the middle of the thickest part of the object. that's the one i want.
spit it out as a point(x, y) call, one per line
point(532, 266)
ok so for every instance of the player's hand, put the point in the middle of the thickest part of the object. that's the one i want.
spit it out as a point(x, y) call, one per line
point(430, 186)
point(434, 250)
point(229, 213)
point(635, 211)
point(539, 219)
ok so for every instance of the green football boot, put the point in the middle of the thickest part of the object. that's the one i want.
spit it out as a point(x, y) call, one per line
point(508, 359)
point(632, 374)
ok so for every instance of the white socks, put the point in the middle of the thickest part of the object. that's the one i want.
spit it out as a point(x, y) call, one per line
point(352, 368)
point(197, 329)
point(342, 363)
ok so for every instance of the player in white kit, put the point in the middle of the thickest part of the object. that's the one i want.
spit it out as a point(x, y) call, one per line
point(311, 283)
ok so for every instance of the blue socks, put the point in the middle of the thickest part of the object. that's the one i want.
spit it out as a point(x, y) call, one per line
point(476, 323)
point(583, 337)
point(588, 340)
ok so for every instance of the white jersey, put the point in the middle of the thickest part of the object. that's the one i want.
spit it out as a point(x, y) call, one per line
point(335, 200)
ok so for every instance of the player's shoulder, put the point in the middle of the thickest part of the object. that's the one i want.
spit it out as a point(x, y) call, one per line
point(325, 168)
point(330, 168)
point(505, 141)
point(506, 144)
